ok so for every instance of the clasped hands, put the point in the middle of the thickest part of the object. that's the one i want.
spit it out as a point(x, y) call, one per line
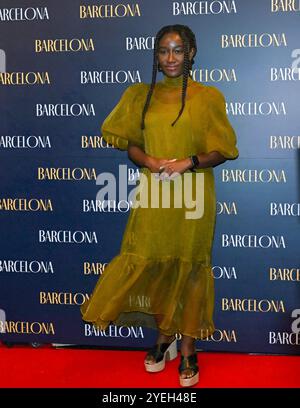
point(168, 169)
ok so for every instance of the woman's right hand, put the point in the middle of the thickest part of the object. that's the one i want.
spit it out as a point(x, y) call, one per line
point(154, 164)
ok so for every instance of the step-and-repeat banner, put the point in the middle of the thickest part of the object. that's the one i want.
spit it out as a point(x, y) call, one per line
point(63, 67)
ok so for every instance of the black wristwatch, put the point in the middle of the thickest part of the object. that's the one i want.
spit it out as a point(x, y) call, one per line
point(195, 161)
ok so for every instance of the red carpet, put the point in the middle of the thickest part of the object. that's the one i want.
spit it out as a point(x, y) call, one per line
point(48, 367)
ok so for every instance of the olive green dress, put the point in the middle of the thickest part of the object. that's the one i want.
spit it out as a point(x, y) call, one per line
point(164, 264)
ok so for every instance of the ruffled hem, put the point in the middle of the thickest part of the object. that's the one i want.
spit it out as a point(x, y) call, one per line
point(136, 322)
point(133, 290)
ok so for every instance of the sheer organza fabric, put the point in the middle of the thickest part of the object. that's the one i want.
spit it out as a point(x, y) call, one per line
point(163, 268)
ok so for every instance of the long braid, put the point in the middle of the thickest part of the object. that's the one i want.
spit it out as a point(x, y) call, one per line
point(154, 73)
point(189, 41)
point(186, 72)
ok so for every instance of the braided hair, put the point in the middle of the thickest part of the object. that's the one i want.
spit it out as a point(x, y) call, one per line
point(189, 41)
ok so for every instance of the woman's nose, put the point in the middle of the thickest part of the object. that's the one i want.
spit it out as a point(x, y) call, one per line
point(170, 56)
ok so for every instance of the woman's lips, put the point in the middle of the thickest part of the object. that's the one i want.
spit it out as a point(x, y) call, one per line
point(171, 68)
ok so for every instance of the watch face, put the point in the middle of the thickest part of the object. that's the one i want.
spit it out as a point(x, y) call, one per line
point(195, 160)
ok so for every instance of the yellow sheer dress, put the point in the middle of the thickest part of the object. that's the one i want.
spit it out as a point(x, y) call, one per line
point(164, 264)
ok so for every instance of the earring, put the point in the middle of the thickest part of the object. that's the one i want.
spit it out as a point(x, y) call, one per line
point(159, 68)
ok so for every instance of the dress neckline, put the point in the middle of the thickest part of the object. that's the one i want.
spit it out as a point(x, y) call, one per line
point(174, 82)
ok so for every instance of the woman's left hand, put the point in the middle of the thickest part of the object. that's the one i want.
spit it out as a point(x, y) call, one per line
point(172, 168)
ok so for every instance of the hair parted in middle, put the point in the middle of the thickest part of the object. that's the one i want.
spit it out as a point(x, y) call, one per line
point(189, 41)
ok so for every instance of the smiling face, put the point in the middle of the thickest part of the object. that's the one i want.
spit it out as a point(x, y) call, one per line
point(170, 54)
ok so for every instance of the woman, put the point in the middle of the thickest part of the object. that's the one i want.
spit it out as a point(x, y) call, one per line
point(162, 276)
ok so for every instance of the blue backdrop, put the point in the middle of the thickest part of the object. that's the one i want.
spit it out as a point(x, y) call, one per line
point(63, 67)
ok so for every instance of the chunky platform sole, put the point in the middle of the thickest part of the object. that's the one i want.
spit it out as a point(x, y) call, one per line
point(190, 362)
point(189, 382)
point(169, 354)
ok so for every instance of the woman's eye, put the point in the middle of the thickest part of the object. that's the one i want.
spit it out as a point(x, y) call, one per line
point(165, 52)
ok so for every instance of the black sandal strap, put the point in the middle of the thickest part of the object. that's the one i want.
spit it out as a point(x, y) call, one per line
point(158, 351)
point(189, 362)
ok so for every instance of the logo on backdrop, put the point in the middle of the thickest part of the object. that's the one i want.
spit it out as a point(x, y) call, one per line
point(224, 272)
point(66, 173)
point(110, 11)
point(284, 338)
point(104, 206)
point(25, 266)
point(252, 305)
point(25, 142)
point(284, 142)
point(285, 6)
point(25, 78)
point(26, 204)
point(227, 208)
point(19, 327)
point(64, 45)
point(214, 75)
point(252, 241)
point(110, 77)
point(94, 268)
point(24, 14)
point(253, 176)
point(253, 40)
point(219, 335)
point(95, 142)
point(139, 43)
point(288, 338)
point(68, 237)
point(256, 108)
point(284, 74)
point(204, 7)
point(284, 274)
point(64, 109)
point(63, 298)
point(114, 331)
point(285, 209)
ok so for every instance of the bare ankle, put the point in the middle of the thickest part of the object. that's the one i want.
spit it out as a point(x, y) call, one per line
point(188, 346)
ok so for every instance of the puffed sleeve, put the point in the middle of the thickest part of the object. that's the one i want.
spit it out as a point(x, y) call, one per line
point(220, 136)
point(123, 124)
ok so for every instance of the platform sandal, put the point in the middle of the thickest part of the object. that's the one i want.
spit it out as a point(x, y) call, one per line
point(160, 353)
point(190, 362)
